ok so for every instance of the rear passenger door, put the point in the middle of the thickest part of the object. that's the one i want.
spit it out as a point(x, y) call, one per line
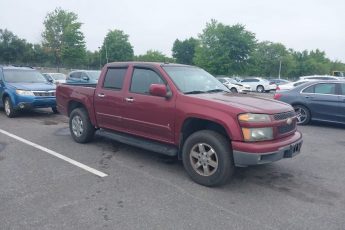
point(146, 115)
point(2, 87)
point(108, 99)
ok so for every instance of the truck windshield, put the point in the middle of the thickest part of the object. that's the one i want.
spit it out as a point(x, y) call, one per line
point(23, 76)
point(192, 80)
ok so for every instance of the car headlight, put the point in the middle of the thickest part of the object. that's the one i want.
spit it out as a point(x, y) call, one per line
point(24, 92)
point(257, 134)
point(254, 117)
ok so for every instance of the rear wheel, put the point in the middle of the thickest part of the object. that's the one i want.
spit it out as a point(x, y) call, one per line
point(233, 90)
point(260, 89)
point(8, 107)
point(207, 158)
point(303, 114)
point(80, 126)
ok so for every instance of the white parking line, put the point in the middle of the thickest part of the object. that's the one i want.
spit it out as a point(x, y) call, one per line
point(58, 155)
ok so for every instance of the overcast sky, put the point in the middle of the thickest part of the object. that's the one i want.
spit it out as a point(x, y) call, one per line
point(153, 24)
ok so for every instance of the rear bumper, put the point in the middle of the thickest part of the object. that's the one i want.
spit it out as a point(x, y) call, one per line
point(246, 154)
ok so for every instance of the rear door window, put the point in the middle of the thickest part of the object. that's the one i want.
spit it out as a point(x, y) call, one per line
point(114, 78)
point(323, 88)
point(342, 87)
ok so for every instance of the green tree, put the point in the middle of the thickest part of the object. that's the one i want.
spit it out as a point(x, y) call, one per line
point(183, 51)
point(12, 48)
point(153, 56)
point(266, 58)
point(116, 46)
point(63, 38)
point(224, 49)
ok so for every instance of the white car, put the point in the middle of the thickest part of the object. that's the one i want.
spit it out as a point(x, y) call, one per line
point(56, 78)
point(292, 85)
point(233, 85)
point(259, 84)
point(320, 77)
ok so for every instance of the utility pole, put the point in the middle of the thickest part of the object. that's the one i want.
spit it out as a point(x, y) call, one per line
point(280, 68)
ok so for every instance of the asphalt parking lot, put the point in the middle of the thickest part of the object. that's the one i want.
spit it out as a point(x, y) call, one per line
point(143, 190)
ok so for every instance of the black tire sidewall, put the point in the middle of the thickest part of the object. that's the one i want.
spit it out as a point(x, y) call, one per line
point(260, 87)
point(225, 159)
point(233, 90)
point(12, 111)
point(88, 128)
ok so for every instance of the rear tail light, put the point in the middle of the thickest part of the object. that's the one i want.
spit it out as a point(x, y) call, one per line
point(271, 83)
point(277, 87)
point(277, 96)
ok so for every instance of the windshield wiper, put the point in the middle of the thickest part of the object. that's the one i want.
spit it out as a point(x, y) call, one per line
point(216, 90)
point(195, 92)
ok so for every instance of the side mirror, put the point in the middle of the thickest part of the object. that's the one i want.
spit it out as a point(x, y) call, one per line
point(159, 90)
point(50, 80)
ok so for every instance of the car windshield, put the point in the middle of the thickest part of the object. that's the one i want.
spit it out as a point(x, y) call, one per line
point(58, 76)
point(94, 75)
point(23, 76)
point(192, 80)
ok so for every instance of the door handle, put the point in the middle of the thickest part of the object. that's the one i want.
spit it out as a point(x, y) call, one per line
point(101, 95)
point(309, 97)
point(129, 99)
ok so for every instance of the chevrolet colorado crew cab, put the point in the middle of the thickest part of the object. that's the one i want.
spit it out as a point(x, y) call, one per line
point(181, 111)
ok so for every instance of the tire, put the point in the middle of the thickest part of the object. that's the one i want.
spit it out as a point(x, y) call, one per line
point(54, 109)
point(303, 114)
point(8, 108)
point(80, 126)
point(233, 90)
point(260, 89)
point(198, 165)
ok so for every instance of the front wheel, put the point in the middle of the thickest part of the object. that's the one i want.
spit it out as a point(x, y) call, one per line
point(80, 126)
point(207, 158)
point(303, 114)
point(8, 107)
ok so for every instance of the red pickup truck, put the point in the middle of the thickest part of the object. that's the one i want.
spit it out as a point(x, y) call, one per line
point(182, 111)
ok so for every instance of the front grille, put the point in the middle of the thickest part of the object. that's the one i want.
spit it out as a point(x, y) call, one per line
point(283, 116)
point(286, 128)
point(44, 93)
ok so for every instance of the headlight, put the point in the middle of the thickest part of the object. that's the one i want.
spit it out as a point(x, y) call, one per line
point(254, 117)
point(257, 134)
point(24, 92)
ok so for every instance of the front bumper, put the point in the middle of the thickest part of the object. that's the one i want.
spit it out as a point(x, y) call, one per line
point(34, 102)
point(257, 153)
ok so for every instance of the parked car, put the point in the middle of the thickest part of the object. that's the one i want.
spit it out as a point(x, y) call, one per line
point(259, 84)
point(292, 85)
point(83, 76)
point(233, 85)
point(24, 88)
point(317, 100)
point(320, 77)
point(56, 78)
point(168, 108)
point(278, 81)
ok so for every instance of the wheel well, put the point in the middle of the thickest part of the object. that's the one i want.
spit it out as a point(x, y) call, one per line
point(73, 105)
point(192, 125)
point(4, 96)
point(259, 86)
point(294, 104)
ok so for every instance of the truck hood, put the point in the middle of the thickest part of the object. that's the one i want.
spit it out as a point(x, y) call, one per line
point(245, 103)
point(33, 86)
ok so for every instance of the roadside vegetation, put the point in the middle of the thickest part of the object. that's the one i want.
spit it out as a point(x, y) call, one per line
point(220, 49)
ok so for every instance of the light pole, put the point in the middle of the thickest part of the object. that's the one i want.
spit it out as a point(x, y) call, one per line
point(100, 62)
point(280, 68)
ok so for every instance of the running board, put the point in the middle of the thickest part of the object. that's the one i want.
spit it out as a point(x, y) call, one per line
point(139, 142)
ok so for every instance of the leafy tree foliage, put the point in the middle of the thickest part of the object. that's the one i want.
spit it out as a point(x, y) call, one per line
point(224, 49)
point(183, 51)
point(116, 47)
point(154, 56)
point(63, 38)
